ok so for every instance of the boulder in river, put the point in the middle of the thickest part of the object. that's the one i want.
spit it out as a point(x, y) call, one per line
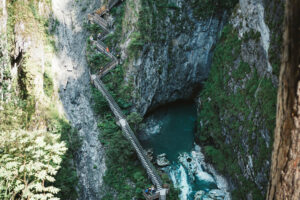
point(217, 194)
point(199, 195)
point(162, 161)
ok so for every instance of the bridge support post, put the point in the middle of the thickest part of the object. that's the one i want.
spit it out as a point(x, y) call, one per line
point(163, 194)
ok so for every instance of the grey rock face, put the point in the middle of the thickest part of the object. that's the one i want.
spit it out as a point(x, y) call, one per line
point(250, 18)
point(74, 83)
point(172, 70)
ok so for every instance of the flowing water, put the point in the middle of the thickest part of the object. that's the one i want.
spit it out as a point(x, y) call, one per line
point(170, 130)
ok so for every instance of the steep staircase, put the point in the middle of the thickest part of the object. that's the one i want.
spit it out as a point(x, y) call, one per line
point(121, 119)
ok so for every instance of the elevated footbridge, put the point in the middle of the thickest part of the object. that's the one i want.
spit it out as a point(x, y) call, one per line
point(121, 119)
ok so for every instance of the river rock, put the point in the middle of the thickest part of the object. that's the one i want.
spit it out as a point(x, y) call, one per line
point(162, 160)
point(217, 194)
point(199, 195)
point(195, 165)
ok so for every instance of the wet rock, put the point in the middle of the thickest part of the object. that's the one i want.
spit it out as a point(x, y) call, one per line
point(199, 195)
point(216, 194)
point(196, 167)
point(188, 163)
point(162, 160)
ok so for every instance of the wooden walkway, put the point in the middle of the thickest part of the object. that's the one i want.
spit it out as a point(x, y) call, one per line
point(121, 119)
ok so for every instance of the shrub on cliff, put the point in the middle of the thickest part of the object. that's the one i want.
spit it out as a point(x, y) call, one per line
point(207, 8)
point(28, 164)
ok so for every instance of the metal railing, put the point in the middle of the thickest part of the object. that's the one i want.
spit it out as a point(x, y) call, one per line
point(151, 171)
point(127, 131)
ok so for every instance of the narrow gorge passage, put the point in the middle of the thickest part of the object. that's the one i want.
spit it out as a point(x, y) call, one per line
point(75, 93)
point(206, 93)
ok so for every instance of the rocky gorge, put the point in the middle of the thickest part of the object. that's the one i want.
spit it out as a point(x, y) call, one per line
point(244, 67)
point(222, 55)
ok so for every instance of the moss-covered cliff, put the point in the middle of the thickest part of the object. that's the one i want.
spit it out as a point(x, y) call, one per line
point(238, 101)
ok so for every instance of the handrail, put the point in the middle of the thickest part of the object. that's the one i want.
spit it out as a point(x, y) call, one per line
point(127, 131)
point(129, 134)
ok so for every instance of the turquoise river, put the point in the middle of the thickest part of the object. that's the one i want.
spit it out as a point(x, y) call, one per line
point(170, 129)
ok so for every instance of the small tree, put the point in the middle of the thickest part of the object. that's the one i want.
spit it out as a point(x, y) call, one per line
point(28, 163)
point(135, 121)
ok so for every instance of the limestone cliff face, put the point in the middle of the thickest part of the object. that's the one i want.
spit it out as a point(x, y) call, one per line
point(72, 77)
point(177, 57)
point(238, 102)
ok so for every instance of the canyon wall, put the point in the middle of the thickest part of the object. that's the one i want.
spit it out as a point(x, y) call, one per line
point(237, 105)
point(73, 80)
point(174, 53)
point(236, 61)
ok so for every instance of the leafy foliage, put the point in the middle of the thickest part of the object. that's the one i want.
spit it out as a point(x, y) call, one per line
point(136, 43)
point(207, 8)
point(121, 160)
point(135, 119)
point(97, 61)
point(48, 85)
point(66, 178)
point(29, 161)
point(28, 110)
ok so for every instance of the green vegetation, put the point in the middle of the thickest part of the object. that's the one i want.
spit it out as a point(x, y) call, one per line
point(135, 121)
point(5, 75)
point(207, 8)
point(48, 85)
point(252, 34)
point(93, 29)
point(29, 160)
point(136, 44)
point(25, 109)
point(274, 19)
point(151, 20)
point(18, 115)
point(66, 179)
point(121, 159)
point(238, 111)
point(96, 60)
